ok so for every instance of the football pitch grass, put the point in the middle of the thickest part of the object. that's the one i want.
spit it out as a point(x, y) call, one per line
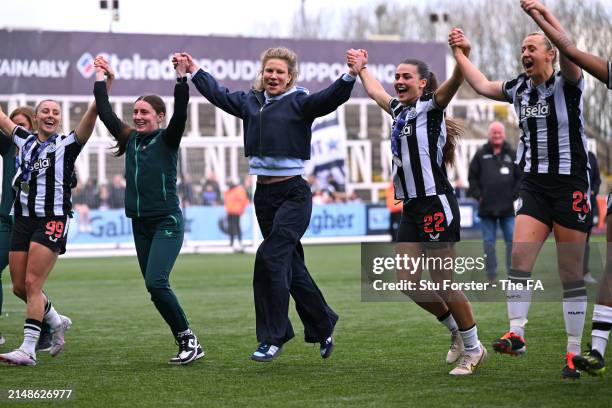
point(388, 354)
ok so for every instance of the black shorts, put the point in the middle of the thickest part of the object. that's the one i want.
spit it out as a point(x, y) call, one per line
point(430, 219)
point(51, 232)
point(558, 199)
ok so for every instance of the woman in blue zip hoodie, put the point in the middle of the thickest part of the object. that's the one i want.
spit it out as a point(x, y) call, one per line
point(277, 118)
point(151, 155)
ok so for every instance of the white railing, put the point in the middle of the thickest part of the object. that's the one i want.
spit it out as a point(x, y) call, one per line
point(221, 151)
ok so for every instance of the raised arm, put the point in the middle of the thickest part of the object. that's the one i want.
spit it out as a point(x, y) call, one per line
point(176, 127)
point(329, 99)
point(220, 96)
point(447, 90)
point(6, 124)
point(86, 126)
point(594, 65)
point(491, 89)
point(373, 88)
point(104, 77)
point(569, 70)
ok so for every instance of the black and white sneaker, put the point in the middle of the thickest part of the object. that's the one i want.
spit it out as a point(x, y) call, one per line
point(327, 347)
point(189, 350)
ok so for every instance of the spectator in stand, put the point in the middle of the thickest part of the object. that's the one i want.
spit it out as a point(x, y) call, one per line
point(185, 192)
point(79, 199)
point(104, 197)
point(337, 190)
point(395, 211)
point(593, 217)
point(211, 192)
point(116, 192)
point(494, 182)
point(236, 201)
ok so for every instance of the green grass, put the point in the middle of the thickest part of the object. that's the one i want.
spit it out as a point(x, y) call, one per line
point(388, 354)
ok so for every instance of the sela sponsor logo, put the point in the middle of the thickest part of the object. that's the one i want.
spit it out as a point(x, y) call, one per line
point(540, 110)
point(41, 164)
point(407, 130)
point(34, 68)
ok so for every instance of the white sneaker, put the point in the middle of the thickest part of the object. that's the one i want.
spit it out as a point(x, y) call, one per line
point(57, 337)
point(190, 350)
point(469, 362)
point(456, 348)
point(588, 278)
point(19, 357)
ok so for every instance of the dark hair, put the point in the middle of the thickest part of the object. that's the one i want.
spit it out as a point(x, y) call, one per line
point(155, 101)
point(424, 73)
point(158, 106)
point(453, 129)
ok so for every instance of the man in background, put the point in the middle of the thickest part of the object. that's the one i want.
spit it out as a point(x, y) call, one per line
point(494, 180)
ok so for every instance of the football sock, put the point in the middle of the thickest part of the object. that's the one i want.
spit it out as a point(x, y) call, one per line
point(470, 339)
point(51, 316)
point(602, 324)
point(518, 301)
point(574, 312)
point(448, 320)
point(31, 333)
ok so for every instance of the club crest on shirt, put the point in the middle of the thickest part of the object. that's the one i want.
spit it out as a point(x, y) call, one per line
point(51, 148)
point(411, 113)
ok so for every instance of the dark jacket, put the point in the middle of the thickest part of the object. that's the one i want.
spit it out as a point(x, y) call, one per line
point(150, 159)
point(7, 150)
point(494, 181)
point(282, 127)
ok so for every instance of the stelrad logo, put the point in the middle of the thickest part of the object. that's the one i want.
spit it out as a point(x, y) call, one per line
point(85, 65)
point(540, 110)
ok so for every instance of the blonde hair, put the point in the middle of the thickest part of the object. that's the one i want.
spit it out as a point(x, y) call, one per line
point(27, 112)
point(549, 45)
point(281, 53)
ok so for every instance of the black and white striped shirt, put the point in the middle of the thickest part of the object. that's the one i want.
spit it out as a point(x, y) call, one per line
point(418, 168)
point(552, 125)
point(609, 74)
point(48, 191)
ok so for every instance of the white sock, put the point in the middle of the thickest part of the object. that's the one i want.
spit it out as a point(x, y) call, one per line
point(470, 340)
point(518, 301)
point(448, 320)
point(51, 316)
point(602, 324)
point(31, 333)
point(184, 332)
point(574, 312)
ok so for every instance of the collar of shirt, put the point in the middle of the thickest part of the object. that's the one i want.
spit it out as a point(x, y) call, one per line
point(288, 92)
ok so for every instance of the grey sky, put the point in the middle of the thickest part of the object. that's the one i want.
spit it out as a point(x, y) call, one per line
point(201, 17)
